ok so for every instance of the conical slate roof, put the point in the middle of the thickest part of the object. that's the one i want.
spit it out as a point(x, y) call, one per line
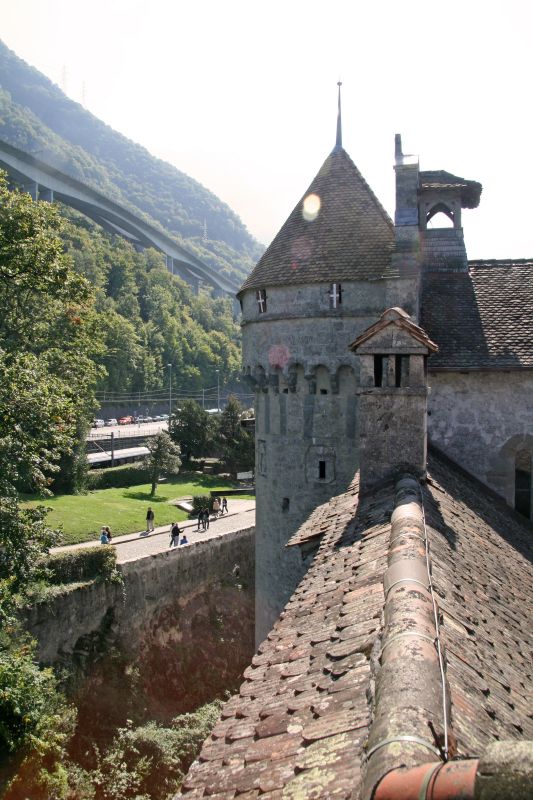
point(350, 238)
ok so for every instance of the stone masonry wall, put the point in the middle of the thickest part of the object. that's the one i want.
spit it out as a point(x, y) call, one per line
point(183, 623)
point(297, 357)
point(481, 420)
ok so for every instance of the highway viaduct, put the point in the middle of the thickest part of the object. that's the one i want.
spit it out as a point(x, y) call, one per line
point(44, 182)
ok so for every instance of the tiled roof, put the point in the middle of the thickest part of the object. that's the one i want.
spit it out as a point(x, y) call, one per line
point(299, 724)
point(482, 319)
point(351, 237)
point(440, 179)
point(398, 318)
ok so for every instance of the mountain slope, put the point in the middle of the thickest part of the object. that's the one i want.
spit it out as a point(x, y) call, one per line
point(37, 117)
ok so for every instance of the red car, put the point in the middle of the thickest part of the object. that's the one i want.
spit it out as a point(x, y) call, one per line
point(125, 421)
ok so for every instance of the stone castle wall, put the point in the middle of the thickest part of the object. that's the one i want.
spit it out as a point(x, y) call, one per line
point(297, 359)
point(481, 420)
point(183, 620)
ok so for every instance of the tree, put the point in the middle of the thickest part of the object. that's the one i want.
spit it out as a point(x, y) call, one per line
point(236, 444)
point(164, 457)
point(47, 373)
point(191, 427)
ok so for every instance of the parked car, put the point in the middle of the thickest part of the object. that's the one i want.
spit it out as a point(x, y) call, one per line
point(128, 420)
point(111, 421)
point(98, 423)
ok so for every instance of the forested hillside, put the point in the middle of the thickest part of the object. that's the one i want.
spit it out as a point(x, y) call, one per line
point(37, 117)
point(148, 318)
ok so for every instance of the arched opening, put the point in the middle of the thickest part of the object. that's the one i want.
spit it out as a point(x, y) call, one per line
point(522, 483)
point(440, 216)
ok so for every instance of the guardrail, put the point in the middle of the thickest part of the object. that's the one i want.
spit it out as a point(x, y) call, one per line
point(125, 432)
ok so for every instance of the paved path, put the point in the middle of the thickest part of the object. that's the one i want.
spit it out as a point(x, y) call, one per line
point(138, 545)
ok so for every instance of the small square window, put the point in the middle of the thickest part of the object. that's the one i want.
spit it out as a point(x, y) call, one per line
point(261, 297)
point(335, 295)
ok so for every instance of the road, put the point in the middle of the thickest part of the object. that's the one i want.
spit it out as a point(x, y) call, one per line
point(140, 545)
point(138, 429)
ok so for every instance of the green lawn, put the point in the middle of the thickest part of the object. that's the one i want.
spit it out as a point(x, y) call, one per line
point(124, 510)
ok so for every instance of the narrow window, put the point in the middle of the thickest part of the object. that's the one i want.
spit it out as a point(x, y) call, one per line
point(261, 297)
point(322, 470)
point(522, 483)
point(335, 295)
point(378, 370)
point(398, 371)
point(323, 391)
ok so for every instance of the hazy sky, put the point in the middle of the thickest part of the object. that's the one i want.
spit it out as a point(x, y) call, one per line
point(241, 94)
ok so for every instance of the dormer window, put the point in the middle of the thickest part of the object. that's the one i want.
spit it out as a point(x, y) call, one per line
point(261, 297)
point(335, 295)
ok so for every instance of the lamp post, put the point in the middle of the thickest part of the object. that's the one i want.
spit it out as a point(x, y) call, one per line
point(218, 389)
point(169, 393)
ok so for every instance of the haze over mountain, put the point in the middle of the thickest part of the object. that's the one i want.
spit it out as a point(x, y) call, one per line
point(37, 117)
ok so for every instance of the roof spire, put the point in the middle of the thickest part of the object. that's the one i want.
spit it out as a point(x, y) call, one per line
point(338, 143)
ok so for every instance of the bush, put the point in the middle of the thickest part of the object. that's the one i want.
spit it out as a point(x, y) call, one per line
point(36, 722)
point(201, 501)
point(118, 477)
point(85, 564)
point(150, 761)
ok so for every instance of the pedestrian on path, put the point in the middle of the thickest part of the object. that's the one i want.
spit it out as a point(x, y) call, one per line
point(149, 519)
point(184, 540)
point(225, 505)
point(174, 534)
point(216, 506)
point(206, 518)
point(103, 536)
point(108, 532)
point(200, 519)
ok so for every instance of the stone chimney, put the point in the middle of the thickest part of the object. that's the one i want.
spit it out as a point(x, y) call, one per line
point(406, 254)
point(392, 397)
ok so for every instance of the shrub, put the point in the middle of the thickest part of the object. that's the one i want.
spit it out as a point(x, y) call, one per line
point(36, 722)
point(150, 761)
point(85, 564)
point(201, 501)
point(118, 477)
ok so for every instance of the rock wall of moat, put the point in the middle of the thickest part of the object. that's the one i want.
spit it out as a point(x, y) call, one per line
point(177, 633)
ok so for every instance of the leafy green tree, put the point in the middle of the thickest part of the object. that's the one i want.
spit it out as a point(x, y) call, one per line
point(35, 725)
point(236, 444)
point(164, 456)
point(47, 374)
point(191, 427)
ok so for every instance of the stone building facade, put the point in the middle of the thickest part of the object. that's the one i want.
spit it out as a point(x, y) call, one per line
point(334, 267)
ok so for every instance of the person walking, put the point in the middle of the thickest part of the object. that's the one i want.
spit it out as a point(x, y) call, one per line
point(216, 507)
point(103, 536)
point(200, 519)
point(174, 534)
point(206, 518)
point(108, 532)
point(149, 519)
point(225, 505)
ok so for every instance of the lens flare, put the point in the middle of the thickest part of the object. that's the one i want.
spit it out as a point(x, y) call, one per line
point(311, 207)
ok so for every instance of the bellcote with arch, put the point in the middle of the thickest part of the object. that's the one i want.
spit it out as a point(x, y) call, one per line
point(442, 196)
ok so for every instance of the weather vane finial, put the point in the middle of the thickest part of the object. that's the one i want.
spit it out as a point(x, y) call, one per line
point(338, 143)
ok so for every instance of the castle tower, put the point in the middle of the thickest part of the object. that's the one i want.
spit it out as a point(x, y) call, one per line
point(325, 277)
point(392, 397)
